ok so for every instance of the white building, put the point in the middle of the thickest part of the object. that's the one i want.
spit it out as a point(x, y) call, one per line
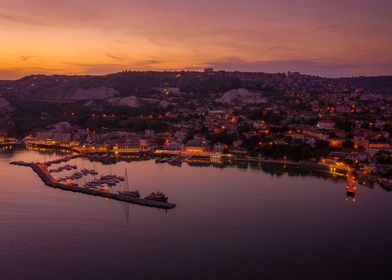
point(326, 124)
point(62, 126)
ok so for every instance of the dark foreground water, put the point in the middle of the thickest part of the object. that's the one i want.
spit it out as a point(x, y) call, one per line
point(229, 223)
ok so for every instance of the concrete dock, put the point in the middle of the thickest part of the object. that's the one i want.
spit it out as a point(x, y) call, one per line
point(39, 168)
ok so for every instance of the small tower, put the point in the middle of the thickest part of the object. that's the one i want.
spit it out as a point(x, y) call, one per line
point(351, 187)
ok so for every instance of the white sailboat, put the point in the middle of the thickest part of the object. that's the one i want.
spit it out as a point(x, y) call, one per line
point(126, 191)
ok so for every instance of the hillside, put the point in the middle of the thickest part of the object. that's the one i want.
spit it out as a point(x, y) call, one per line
point(381, 85)
point(143, 84)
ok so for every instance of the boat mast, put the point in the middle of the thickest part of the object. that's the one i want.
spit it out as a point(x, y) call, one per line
point(126, 184)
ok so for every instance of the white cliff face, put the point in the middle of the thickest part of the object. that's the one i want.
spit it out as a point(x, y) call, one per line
point(241, 95)
point(81, 94)
point(130, 101)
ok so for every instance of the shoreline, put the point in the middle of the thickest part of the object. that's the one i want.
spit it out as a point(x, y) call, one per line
point(306, 164)
point(325, 169)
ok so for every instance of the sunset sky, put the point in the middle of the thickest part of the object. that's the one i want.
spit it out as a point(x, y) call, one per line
point(329, 38)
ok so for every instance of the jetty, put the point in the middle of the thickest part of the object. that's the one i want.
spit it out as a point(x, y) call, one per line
point(42, 172)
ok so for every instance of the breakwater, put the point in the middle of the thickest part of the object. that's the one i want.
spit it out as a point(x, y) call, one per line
point(39, 168)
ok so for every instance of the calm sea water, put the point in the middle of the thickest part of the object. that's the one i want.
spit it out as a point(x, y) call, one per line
point(230, 223)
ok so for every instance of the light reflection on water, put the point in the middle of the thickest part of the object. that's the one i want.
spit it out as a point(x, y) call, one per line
point(229, 223)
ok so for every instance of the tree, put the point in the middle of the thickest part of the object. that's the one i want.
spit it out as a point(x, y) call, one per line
point(348, 144)
point(384, 157)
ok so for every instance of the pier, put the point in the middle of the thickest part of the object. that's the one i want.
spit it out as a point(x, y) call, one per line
point(41, 171)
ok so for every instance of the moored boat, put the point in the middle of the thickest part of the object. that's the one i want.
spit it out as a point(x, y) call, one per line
point(157, 196)
point(126, 191)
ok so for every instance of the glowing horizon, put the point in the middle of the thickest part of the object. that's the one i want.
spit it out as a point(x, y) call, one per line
point(338, 38)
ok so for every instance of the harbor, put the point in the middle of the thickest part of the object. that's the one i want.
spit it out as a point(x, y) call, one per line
point(41, 169)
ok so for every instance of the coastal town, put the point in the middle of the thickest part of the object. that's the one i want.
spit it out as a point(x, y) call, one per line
point(310, 122)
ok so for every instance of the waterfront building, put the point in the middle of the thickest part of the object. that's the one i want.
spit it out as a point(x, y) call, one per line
point(218, 147)
point(195, 146)
point(132, 144)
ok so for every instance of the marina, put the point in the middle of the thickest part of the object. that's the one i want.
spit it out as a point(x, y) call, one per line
point(153, 200)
